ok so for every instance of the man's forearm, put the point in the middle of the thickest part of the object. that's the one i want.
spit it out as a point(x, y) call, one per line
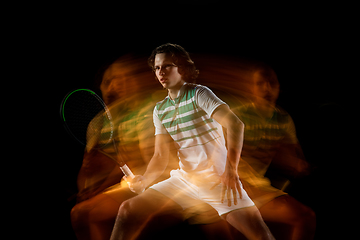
point(156, 167)
point(235, 133)
point(235, 136)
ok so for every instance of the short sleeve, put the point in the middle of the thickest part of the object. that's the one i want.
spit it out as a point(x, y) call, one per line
point(290, 135)
point(207, 100)
point(159, 128)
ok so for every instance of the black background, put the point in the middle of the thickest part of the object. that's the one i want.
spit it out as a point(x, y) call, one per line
point(307, 45)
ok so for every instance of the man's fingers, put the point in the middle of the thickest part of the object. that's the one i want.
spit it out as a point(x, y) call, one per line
point(239, 190)
point(234, 196)
point(228, 195)
point(232, 188)
point(125, 179)
point(223, 190)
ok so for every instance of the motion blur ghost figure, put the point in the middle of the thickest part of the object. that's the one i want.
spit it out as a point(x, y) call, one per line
point(270, 136)
point(100, 190)
point(251, 89)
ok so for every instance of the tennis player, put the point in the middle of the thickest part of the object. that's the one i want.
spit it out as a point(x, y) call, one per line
point(191, 117)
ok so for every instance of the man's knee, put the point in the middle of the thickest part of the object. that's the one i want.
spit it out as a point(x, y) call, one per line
point(244, 216)
point(293, 212)
point(250, 223)
point(307, 215)
point(127, 211)
point(79, 213)
point(299, 213)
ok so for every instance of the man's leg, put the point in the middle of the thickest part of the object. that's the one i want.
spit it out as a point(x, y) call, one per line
point(134, 214)
point(94, 218)
point(207, 219)
point(250, 223)
point(286, 209)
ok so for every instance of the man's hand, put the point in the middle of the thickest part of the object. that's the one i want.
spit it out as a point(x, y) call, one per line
point(230, 183)
point(235, 135)
point(136, 184)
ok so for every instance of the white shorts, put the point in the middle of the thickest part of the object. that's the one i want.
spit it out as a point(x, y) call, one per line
point(191, 192)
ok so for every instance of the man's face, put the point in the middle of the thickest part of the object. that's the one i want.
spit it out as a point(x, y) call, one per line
point(118, 83)
point(167, 72)
point(266, 91)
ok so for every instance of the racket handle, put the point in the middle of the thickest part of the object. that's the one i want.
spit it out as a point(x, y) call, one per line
point(126, 170)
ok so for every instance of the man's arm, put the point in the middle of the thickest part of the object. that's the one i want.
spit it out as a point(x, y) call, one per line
point(234, 128)
point(235, 134)
point(156, 166)
point(290, 158)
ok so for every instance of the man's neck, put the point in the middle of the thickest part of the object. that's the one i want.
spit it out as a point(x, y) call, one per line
point(266, 111)
point(174, 92)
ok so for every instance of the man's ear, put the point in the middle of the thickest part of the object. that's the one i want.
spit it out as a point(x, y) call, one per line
point(181, 71)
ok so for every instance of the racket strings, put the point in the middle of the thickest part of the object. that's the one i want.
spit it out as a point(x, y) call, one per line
point(85, 117)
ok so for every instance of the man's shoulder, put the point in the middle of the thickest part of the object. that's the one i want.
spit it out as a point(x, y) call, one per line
point(163, 103)
point(192, 85)
point(195, 89)
point(195, 86)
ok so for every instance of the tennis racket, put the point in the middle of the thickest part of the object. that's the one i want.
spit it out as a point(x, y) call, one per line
point(89, 121)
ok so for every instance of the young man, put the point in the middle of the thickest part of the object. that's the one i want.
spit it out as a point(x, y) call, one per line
point(270, 137)
point(191, 117)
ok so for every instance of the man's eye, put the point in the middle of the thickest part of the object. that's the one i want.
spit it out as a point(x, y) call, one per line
point(169, 66)
point(106, 82)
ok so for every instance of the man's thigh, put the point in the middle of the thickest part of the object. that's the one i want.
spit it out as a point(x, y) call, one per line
point(283, 209)
point(249, 222)
point(152, 202)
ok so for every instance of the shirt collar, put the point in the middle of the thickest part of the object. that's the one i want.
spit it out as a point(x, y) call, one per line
point(182, 90)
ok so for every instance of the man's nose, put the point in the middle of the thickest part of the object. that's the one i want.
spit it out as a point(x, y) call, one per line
point(161, 71)
point(268, 87)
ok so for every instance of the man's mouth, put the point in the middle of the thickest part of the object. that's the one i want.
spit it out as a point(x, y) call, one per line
point(269, 98)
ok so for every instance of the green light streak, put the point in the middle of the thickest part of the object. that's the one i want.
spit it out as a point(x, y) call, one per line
point(63, 107)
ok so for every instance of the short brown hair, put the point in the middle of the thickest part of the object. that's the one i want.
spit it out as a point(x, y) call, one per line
point(180, 57)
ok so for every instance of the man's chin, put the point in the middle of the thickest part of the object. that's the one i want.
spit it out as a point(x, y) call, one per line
point(165, 85)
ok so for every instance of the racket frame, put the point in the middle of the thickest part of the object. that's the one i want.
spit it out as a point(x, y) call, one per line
point(119, 158)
